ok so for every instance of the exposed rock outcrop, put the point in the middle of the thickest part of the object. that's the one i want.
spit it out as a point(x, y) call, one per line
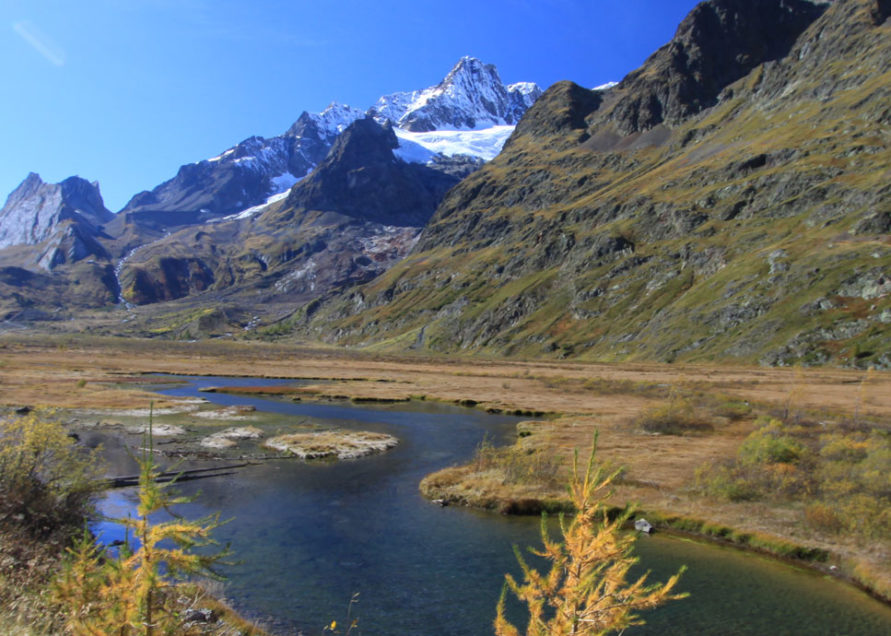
point(717, 43)
point(34, 210)
point(64, 219)
point(361, 178)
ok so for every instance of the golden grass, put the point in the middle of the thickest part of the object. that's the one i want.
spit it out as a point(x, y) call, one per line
point(46, 371)
point(581, 398)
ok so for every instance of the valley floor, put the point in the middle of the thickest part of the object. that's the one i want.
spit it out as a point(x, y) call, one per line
point(566, 403)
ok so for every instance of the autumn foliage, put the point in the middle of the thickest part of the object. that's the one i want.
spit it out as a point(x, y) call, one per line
point(586, 591)
point(135, 591)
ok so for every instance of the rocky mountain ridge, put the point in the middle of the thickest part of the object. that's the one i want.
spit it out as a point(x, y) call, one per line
point(695, 211)
point(726, 201)
point(250, 178)
point(471, 96)
point(357, 214)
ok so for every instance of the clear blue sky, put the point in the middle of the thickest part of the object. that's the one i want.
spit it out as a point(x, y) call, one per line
point(124, 91)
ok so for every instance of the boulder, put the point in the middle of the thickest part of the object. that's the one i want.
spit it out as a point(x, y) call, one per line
point(642, 525)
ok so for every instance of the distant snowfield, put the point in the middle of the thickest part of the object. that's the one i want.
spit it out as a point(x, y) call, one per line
point(252, 211)
point(421, 147)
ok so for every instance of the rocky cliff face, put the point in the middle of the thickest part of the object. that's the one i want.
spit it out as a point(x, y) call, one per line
point(51, 248)
point(239, 178)
point(728, 200)
point(717, 43)
point(35, 212)
point(361, 178)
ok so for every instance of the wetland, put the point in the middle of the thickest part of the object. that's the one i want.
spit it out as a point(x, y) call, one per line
point(369, 509)
point(310, 535)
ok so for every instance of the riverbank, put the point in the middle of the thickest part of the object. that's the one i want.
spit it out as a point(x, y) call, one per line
point(660, 470)
point(460, 486)
point(654, 479)
point(29, 564)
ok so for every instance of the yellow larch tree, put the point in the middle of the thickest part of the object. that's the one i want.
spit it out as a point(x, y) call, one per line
point(586, 591)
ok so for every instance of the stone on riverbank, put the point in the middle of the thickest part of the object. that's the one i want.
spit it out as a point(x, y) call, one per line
point(642, 525)
point(158, 430)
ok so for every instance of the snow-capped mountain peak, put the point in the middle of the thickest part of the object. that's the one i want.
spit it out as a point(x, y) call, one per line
point(471, 97)
point(436, 121)
point(325, 126)
point(524, 88)
point(337, 117)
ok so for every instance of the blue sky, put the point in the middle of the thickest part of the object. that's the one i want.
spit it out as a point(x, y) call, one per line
point(124, 91)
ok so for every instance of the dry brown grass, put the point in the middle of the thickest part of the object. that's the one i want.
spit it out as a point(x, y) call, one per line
point(47, 371)
point(582, 397)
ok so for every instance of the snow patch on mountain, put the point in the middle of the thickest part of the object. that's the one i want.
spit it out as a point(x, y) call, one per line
point(422, 147)
point(222, 156)
point(283, 182)
point(256, 209)
point(470, 112)
point(526, 89)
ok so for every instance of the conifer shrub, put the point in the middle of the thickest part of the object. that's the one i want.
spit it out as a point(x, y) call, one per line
point(586, 590)
point(134, 592)
point(823, 517)
point(840, 474)
point(676, 417)
point(518, 464)
point(47, 484)
point(770, 444)
point(734, 410)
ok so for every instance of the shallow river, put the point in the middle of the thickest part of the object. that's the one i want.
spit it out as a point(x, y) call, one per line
point(309, 536)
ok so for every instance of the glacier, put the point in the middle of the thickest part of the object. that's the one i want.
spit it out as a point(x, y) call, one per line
point(423, 147)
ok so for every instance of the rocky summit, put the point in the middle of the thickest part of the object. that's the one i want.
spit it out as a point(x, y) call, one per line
point(471, 96)
point(51, 248)
point(38, 212)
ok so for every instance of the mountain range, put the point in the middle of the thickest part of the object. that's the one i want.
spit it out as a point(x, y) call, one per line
point(470, 98)
point(419, 143)
point(728, 200)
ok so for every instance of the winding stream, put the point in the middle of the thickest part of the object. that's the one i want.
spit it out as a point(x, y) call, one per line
point(310, 535)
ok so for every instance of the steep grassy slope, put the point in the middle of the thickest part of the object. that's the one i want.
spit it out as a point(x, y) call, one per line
point(672, 217)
